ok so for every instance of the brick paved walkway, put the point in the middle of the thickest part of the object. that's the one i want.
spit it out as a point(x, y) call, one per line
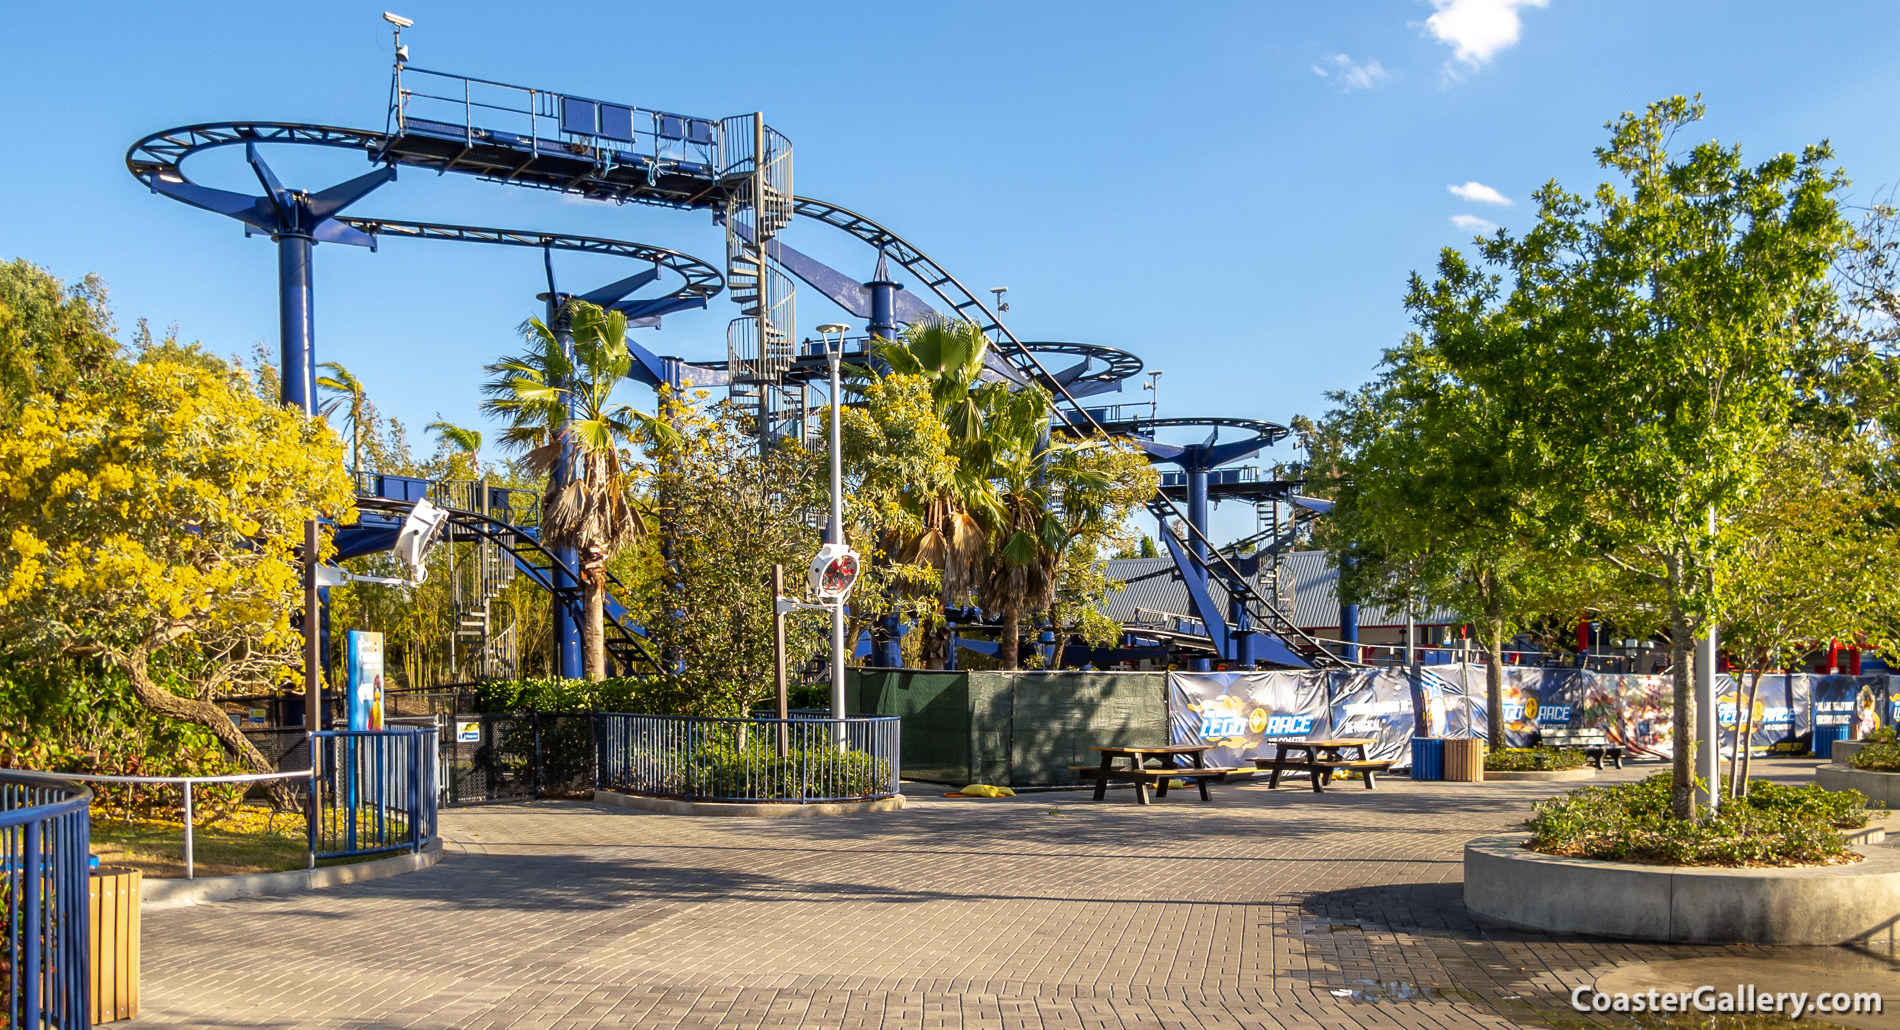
point(1270, 910)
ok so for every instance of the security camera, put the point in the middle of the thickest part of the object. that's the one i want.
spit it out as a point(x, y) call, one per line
point(398, 20)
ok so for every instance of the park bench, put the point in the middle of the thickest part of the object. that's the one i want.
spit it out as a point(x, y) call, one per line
point(1595, 744)
point(1142, 775)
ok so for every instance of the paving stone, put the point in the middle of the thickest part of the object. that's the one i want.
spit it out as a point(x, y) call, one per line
point(1280, 910)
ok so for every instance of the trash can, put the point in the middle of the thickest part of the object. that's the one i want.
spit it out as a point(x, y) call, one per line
point(112, 896)
point(1824, 738)
point(1464, 761)
point(1428, 758)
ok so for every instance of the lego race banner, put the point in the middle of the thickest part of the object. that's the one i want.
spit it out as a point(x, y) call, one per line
point(1241, 712)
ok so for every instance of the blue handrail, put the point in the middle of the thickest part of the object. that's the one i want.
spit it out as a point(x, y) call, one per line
point(376, 792)
point(46, 833)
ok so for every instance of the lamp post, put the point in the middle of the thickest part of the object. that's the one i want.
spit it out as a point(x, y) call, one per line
point(834, 353)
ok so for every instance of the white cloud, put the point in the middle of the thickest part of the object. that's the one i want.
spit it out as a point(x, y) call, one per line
point(1352, 74)
point(1479, 193)
point(1472, 223)
point(1477, 29)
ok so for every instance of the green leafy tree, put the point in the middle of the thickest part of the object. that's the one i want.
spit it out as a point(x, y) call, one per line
point(561, 409)
point(53, 338)
point(724, 514)
point(1649, 351)
point(1812, 559)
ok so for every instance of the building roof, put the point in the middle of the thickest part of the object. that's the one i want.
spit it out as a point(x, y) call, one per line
point(1153, 585)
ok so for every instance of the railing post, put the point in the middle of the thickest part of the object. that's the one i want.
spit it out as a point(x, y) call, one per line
point(310, 815)
point(535, 720)
point(30, 984)
point(188, 827)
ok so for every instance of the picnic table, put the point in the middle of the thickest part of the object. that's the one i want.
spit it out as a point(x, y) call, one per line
point(1137, 769)
point(1322, 758)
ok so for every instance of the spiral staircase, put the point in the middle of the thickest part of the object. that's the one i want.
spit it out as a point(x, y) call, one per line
point(757, 172)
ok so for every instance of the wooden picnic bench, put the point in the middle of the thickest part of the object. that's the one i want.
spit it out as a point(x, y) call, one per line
point(1137, 770)
point(1595, 744)
point(1322, 758)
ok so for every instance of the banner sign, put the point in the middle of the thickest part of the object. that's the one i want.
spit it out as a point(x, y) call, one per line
point(365, 680)
point(1238, 712)
point(1243, 712)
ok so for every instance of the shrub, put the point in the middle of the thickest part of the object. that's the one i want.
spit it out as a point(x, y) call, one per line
point(1532, 759)
point(1881, 735)
point(1774, 825)
point(1878, 757)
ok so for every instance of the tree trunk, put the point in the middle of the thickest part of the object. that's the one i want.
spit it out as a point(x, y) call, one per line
point(1682, 718)
point(933, 651)
point(593, 617)
point(1744, 735)
point(1494, 683)
point(1009, 643)
point(160, 701)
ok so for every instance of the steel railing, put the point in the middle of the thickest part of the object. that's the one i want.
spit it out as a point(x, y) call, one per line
point(189, 782)
point(46, 835)
point(377, 792)
point(796, 761)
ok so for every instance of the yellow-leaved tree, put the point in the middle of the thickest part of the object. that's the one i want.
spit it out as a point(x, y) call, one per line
point(155, 521)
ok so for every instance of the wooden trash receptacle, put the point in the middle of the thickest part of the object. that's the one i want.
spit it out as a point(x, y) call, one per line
point(112, 894)
point(1464, 761)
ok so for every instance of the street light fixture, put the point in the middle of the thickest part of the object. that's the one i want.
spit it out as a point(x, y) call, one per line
point(835, 553)
point(1154, 384)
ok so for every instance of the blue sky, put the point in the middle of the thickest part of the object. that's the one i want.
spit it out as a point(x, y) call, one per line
point(1236, 192)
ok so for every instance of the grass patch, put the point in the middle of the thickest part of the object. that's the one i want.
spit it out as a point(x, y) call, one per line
point(1532, 759)
point(1775, 825)
point(248, 840)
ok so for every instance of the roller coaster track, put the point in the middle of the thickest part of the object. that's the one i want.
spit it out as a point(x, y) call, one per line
point(627, 648)
point(703, 281)
point(160, 155)
point(1262, 610)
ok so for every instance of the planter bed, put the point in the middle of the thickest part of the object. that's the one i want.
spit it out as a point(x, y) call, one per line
point(1880, 787)
point(1541, 775)
point(758, 809)
point(1810, 905)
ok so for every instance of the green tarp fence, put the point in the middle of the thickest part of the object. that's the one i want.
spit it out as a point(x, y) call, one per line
point(1015, 729)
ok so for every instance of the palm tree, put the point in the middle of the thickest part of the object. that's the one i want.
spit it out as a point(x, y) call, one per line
point(557, 401)
point(345, 387)
point(462, 443)
point(949, 539)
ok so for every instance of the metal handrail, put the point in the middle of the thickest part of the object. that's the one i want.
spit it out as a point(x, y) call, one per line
point(44, 857)
point(188, 781)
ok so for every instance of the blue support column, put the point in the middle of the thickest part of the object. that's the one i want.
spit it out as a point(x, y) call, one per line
point(297, 318)
point(1349, 631)
point(1197, 517)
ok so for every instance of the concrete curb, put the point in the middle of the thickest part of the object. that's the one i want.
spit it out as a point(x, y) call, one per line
point(1880, 787)
point(1808, 905)
point(1540, 775)
point(163, 894)
point(670, 806)
point(1842, 751)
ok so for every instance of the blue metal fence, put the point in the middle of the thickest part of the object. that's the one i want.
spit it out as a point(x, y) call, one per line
point(46, 835)
point(376, 792)
point(796, 761)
